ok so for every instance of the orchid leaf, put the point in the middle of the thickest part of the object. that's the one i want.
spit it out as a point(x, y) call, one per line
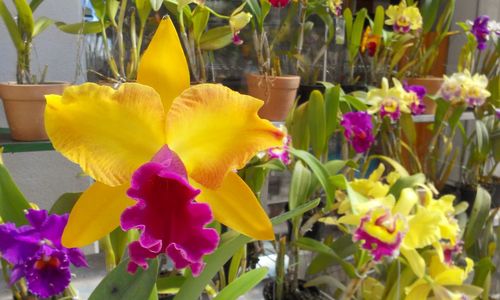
point(169, 285)
point(408, 127)
point(429, 9)
point(25, 20)
point(156, 4)
point(64, 204)
point(317, 123)
point(194, 286)
point(41, 24)
point(12, 28)
point(34, 4)
point(300, 130)
point(320, 172)
point(356, 34)
point(378, 22)
point(479, 214)
point(319, 247)
point(343, 246)
point(326, 280)
point(111, 10)
point(200, 21)
point(119, 284)
point(12, 201)
point(394, 164)
point(143, 10)
point(242, 285)
point(299, 185)
point(406, 182)
point(332, 101)
point(81, 28)
point(216, 38)
point(99, 7)
point(234, 266)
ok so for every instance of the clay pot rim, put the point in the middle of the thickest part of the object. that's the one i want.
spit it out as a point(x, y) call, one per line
point(48, 83)
point(291, 77)
point(429, 78)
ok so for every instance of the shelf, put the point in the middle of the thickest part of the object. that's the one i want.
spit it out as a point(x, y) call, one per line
point(11, 146)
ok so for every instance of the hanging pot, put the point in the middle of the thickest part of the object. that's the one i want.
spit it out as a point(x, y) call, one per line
point(277, 92)
point(24, 106)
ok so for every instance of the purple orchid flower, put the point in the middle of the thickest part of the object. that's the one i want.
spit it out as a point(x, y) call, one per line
point(281, 153)
point(481, 32)
point(36, 253)
point(358, 130)
point(418, 92)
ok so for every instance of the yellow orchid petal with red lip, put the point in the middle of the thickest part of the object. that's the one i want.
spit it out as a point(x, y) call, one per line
point(231, 205)
point(99, 128)
point(95, 214)
point(111, 133)
point(163, 66)
point(215, 130)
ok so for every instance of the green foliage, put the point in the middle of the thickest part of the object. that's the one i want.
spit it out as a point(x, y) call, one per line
point(317, 123)
point(119, 284)
point(64, 204)
point(242, 285)
point(12, 201)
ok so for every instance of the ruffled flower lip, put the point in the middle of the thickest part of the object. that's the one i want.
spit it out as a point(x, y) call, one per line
point(169, 219)
point(358, 129)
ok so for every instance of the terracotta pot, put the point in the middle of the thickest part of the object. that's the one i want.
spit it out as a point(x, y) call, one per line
point(432, 85)
point(278, 93)
point(24, 106)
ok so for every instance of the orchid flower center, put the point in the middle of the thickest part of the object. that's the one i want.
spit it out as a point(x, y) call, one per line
point(390, 104)
point(47, 261)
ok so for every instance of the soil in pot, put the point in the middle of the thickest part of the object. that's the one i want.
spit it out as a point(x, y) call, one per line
point(277, 92)
point(302, 293)
point(24, 106)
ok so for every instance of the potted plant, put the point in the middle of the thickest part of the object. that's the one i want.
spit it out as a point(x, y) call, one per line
point(430, 28)
point(23, 100)
point(278, 91)
point(121, 33)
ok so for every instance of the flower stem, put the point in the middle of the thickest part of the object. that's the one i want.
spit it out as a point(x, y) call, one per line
point(355, 283)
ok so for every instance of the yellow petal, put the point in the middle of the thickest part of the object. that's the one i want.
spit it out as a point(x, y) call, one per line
point(108, 132)
point(406, 202)
point(96, 213)
point(163, 65)
point(416, 262)
point(418, 291)
point(236, 206)
point(423, 229)
point(215, 130)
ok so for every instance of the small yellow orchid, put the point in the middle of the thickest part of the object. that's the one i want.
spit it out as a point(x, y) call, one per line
point(440, 276)
point(404, 18)
point(388, 101)
point(149, 143)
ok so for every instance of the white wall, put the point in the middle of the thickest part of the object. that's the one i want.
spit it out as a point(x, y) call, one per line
point(43, 176)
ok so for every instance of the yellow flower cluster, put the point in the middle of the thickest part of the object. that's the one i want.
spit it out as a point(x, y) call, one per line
point(464, 87)
point(404, 18)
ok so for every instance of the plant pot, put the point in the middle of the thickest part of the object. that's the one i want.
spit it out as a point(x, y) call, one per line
point(24, 106)
point(305, 91)
point(277, 92)
point(349, 88)
point(432, 85)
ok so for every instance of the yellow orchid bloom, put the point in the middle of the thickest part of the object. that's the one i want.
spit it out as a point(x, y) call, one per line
point(388, 101)
point(403, 18)
point(200, 134)
point(440, 276)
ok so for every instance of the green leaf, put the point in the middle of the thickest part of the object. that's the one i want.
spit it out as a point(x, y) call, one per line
point(332, 101)
point(394, 164)
point(119, 240)
point(343, 246)
point(12, 28)
point(482, 140)
point(357, 32)
point(169, 285)
point(354, 102)
point(326, 280)
point(299, 185)
point(81, 28)
point(348, 24)
point(111, 10)
point(242, 285)
point(64, 204)
point(482, 270)
point(143, 10)
point(12, 201)
point(273, 164)
point(429, 10)
point(300, 128)
point(406, 182)
point(317, 123)
point(25, 18)
point(41, 24)
point(378, 23)
point(408, 127)
point(99, 8)
point(156, 4)
point(319, 247)
point(34, 4)
point(478, 216)
point(216, 38)
point(200, 21)
point(119, 284)
point(300, 210)
point(319, 171)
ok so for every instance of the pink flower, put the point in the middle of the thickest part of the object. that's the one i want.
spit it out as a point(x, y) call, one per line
point(237, 39)
point(279, 3)
point(281, 153)
point(170, 220)
point(358, 129)
point(381, 233)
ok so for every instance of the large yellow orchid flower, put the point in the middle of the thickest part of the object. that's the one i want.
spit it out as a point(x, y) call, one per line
point(201, 133)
